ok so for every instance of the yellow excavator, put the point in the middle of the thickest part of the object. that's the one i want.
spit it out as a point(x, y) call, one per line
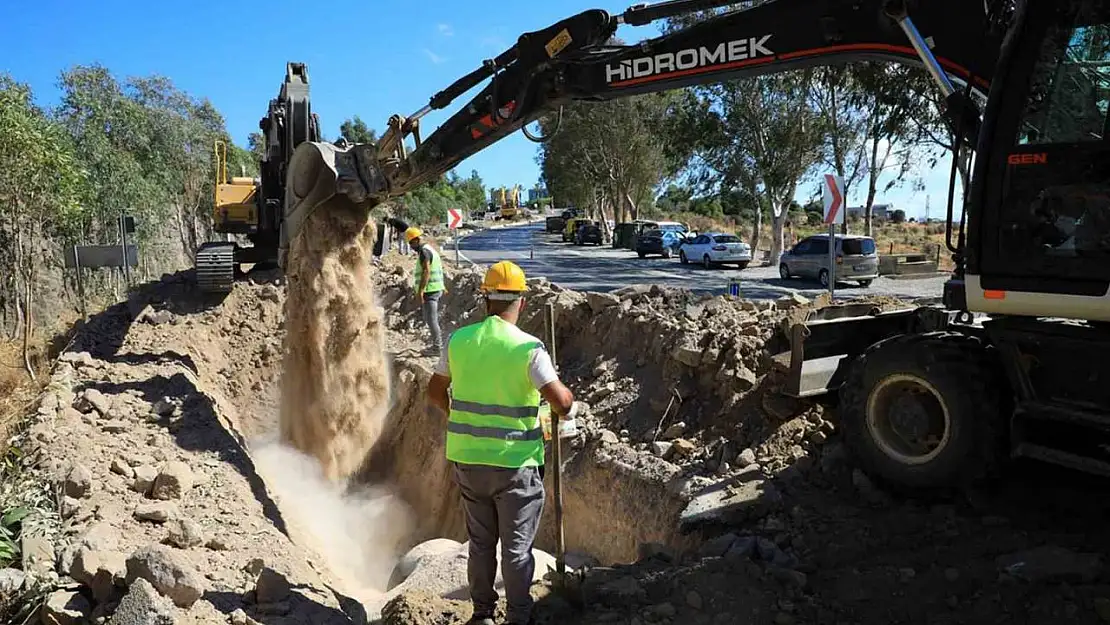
point(1012, 365)
point(506, 201)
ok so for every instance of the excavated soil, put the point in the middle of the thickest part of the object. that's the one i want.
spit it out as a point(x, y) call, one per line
point(694, 493)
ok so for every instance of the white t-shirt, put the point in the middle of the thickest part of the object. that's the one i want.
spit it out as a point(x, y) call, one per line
point(540, 368)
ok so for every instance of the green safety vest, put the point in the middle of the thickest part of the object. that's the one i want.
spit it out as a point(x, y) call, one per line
point(435, 279)
point(494, 418)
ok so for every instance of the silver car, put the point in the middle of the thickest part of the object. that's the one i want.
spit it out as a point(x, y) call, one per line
point(857, 259)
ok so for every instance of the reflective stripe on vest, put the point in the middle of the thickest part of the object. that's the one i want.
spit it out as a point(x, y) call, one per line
point(494, 418)
point(435, 273)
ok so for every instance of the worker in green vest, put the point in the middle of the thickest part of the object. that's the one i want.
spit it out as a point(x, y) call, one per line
point(429, 285)
point(497, 374)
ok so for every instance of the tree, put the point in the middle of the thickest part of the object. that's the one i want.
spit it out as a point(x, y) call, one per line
point(41, 186)
point(355, 130)
point(898, 216)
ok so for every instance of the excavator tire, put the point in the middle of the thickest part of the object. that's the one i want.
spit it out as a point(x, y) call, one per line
point(216, 267)
point(948, 382)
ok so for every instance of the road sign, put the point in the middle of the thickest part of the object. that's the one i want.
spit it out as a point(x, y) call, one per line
point(454, 218)
point(94, 256)
point(833, 196)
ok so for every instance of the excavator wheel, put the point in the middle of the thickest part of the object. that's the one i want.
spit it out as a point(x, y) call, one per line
point(216, 267)
point(925, 412)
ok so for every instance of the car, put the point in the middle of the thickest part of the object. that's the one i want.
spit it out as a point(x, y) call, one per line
point(660, 238)
point(589, 231)
point(554, 225)
point(571, 228)
point(856, 257)
point(715, 248)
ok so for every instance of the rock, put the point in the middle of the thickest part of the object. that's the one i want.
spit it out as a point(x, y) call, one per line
point(906, 574)
point(115, 426)
point(69, 506)
point(693, 599)
point(38, 555)
point(661, 448)
point(173, 481)
point(608, 437)
point(951, 574)
point(93, 399)
point(144, 478)
point(745, 379)
point(788, 577)
point(717, 547)
point(746, 458)
point(791, 301)
point(77, 482)
point(665, 610)
point(683, 448)
point(867, 488)
point(606, 390)
point(1051, 563)
point(730, 503)
point(674, 430)
point(142, 605)
point(239, 617)
point(818, 438)
point(120, 467)
point(600, 301)
point(170, 572)
point(185, 533)
point(689, 356)
point(157, 512)
point(782, 618)
point(163, 407)
point(216, 544)
point(101, 571)
point(271, 586)
point(11, 582)
point(65, 607)
point(156, 318)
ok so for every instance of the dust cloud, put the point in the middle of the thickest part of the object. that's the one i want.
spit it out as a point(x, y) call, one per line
point(335, 395)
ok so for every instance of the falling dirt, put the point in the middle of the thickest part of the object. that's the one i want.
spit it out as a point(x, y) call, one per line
point(335, 388)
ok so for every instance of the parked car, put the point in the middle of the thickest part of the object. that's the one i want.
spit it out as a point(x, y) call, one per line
point(571, 228)
point(857, 259)
point(589, 231)
point(715, 248)
point(660, 237)
point(555, 225)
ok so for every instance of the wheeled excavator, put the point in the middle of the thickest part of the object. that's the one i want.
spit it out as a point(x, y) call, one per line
point(1013, 363)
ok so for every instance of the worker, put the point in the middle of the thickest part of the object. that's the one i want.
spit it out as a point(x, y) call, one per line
point(495, 440)
point(429, 285)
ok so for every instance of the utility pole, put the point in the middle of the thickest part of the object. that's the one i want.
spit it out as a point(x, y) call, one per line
point(927, 199)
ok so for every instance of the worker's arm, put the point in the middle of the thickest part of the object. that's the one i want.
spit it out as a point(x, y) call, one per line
point(546, 380)
point(425, 276)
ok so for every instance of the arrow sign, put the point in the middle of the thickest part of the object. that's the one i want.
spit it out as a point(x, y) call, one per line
point(454, 218)
point(833, 196)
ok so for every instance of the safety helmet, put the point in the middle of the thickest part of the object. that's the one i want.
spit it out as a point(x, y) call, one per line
point(504, 281)
point(412, 233)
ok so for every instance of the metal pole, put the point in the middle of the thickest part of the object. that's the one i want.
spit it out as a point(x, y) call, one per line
point(926, 54)
point(456, 248)
point(556, 452)
point(80, 285)
point(123, 242)
point(832, 258)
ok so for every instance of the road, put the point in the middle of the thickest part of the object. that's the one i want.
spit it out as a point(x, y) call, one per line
point(606, 269)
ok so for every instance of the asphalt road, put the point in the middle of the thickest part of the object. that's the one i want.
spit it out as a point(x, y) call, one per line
point(604, 269)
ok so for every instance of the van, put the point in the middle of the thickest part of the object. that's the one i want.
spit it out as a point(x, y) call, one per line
point(856, 258)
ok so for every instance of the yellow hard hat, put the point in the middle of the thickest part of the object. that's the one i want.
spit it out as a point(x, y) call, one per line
point(504, 281)
point(412, 233)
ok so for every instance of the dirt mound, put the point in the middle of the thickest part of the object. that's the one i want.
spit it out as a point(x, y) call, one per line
point(335, 387)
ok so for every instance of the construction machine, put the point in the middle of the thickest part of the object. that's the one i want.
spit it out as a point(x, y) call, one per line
point(1012, 364)
point(253, 208)
point(506, 202)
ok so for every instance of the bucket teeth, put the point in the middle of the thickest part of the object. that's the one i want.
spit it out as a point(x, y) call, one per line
point(216, 267)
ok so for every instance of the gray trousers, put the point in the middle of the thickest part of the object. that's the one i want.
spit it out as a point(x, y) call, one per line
point(431, 317)
point(503, 504)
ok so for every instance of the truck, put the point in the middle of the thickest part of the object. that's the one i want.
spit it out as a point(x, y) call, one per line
point(1011, 363)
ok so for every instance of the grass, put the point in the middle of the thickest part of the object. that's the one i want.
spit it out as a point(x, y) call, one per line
point(28, 505)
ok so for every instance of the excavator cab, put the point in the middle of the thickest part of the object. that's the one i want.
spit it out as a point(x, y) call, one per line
point(236, 202)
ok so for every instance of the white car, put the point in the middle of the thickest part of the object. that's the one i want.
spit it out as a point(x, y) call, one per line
point(715, 248)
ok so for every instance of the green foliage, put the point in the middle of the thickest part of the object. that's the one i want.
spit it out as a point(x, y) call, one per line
point(356, 131)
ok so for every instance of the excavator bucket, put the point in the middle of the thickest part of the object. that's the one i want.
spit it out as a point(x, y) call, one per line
point(323, 176)
point(824, 344)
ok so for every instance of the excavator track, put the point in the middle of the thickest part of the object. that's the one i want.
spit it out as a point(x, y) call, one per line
point(216, 267)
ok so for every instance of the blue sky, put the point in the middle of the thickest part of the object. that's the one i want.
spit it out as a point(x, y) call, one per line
point(366, 58)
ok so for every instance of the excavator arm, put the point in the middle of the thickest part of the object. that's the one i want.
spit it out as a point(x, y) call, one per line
point(577, 59)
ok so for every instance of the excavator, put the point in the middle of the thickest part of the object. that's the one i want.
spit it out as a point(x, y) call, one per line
point(1012, 363)
point(254, 208)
